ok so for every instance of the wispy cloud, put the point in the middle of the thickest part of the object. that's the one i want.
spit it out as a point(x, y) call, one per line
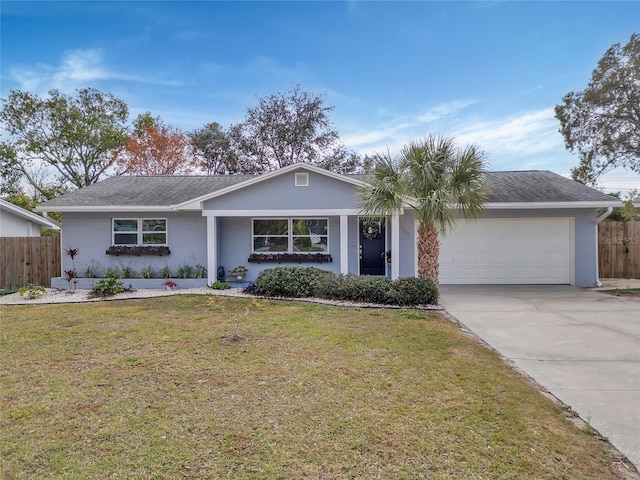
point(622, 181)
point(372, 137)
point(397, 130)
point(78, 68)
point(532, 89)
point(444, 110)
point(529, 140)
point(524, 135)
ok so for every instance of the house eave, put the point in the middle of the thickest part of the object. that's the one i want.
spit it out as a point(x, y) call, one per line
point(549, 205)
point(320, 212)
point(106, 208)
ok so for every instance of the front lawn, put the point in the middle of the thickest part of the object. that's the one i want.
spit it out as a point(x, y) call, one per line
point(212, 387)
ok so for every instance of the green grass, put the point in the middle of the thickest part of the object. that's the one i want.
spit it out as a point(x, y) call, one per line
point(199, 387)
point(624, 291)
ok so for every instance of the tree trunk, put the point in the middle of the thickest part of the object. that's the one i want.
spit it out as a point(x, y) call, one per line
point(428, 252)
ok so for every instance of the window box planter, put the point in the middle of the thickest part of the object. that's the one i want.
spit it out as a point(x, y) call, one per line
point(138, 250)
point(290, 258)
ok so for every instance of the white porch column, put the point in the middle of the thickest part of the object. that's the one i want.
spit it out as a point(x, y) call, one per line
point(395, 245)
point(344, 244)
point(212, 250)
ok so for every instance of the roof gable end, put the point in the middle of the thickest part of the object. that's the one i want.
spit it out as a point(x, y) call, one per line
point(196, 203)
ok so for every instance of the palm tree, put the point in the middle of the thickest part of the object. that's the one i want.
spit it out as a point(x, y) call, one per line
point(434, 178)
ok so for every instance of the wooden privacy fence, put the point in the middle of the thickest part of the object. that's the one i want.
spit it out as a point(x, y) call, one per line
point(619, 249)
point(26, 260)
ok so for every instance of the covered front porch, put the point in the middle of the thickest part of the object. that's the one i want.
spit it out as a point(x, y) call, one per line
point(344, 243)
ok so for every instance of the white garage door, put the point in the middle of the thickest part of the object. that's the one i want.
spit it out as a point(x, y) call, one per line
point(508, 251)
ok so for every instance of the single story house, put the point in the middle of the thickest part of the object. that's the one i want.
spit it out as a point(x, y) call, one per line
point(15, 221)
point(538, 227)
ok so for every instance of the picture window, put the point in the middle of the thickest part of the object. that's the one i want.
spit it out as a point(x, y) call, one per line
point(290, 235)
point(139, 231)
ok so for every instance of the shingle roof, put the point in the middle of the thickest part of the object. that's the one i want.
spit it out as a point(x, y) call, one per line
point(146, 191)
point(532, 186)
point(536, 186)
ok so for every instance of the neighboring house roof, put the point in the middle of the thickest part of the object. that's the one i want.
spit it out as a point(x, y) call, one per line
point(27, 215)
point(518, 189)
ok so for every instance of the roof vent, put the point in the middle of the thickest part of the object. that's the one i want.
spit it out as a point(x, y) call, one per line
point(302, 179)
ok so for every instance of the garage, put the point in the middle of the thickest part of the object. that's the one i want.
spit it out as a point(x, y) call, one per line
point(508, 251)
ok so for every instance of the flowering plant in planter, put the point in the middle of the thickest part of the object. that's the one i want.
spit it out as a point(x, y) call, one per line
point(170, 284)
point(238, 273)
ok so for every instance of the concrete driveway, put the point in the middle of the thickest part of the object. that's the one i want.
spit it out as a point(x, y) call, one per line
point(581, 345)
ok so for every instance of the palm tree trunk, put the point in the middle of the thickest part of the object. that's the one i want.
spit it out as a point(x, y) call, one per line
point(428, 252)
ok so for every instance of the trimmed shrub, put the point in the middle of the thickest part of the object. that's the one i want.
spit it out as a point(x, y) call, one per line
point(413, 291)
point(107, 287)
point(355, 289)
point(332, 287)
point(296, 282)
point(370, 289)
point(293, 282)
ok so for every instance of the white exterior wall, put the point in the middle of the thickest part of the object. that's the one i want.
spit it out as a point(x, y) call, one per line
point(14, 226)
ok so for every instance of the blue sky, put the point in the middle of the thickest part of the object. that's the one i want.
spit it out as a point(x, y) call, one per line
point(487, 72)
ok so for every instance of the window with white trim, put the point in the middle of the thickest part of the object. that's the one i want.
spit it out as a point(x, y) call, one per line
point(290, 235)
point(139, 231)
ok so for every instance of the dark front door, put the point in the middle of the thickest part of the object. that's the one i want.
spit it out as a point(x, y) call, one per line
point(372, 259)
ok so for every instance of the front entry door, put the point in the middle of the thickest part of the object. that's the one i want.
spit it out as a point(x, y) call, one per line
point(372, 248)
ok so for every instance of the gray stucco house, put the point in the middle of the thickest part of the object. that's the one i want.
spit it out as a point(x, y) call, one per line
point(538, 227)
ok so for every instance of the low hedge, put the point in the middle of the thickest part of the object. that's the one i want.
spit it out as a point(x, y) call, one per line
point(414, 291)
point(293, 282)
point(297, 282)
point(351, 288)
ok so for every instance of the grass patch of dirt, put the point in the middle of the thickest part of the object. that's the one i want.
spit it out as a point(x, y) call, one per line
point(630, 293)
point(624, 291)
point(200, 387)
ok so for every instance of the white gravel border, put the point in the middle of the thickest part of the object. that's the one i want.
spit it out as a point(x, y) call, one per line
point(81, 296)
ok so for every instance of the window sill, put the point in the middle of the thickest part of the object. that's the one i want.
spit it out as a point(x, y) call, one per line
point(138, 250)
point(290, 257)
